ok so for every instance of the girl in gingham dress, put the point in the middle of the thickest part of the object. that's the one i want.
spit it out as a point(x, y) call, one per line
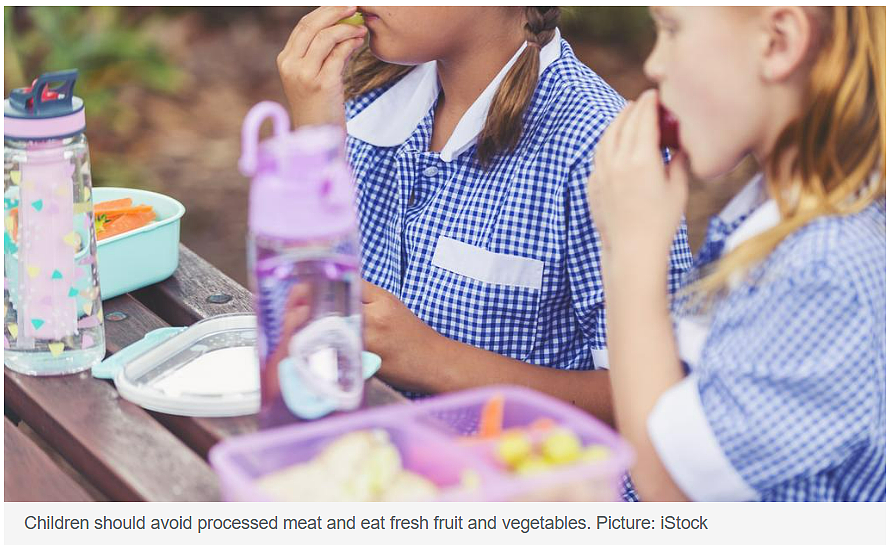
point(768, 382)
point(471, 148)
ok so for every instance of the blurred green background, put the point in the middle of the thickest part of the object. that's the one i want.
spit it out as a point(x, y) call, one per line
point(166, 90)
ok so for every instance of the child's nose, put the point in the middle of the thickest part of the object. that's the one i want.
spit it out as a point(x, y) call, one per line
point(654, 67)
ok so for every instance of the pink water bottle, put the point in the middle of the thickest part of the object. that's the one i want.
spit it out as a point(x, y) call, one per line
point(51, 303)
point(303, 259)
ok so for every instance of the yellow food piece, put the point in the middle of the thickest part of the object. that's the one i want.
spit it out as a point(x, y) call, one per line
point(407, 486)
point(356, 19)
point(513, 448)
point(596, 453)
point(532, 465)
point(470, 479)
point(561, 446)
point(357, 466)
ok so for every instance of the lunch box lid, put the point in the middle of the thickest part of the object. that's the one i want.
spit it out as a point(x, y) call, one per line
point(209, 369)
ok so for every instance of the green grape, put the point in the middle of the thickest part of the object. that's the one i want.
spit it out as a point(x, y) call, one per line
point(532, 465)
point(356, 19)
point(561, 447)
point(513, 448)
point(596, 453)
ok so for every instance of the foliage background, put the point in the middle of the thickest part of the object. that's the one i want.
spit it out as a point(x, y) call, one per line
point(166, 90)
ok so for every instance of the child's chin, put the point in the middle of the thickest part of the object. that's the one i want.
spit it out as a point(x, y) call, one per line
point(380, 51)
point(705, 169)
point(387, 54)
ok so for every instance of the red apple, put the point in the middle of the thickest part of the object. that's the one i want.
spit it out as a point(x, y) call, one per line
point(669, 128)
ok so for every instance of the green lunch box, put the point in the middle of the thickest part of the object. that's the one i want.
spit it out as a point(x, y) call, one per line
point(143, 256)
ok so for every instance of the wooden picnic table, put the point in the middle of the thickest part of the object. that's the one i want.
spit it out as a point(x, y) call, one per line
point(125, 452)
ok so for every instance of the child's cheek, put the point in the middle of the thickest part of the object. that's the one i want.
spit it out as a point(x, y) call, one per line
point(705, 112)
point(713, 148)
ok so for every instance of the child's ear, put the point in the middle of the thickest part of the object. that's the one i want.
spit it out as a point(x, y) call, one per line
point(787, 33)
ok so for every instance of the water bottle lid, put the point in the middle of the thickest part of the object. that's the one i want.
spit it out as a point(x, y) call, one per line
point(46, 109)
point(302, 187)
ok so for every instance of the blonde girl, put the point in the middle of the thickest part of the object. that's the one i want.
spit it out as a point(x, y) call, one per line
point(767, 380)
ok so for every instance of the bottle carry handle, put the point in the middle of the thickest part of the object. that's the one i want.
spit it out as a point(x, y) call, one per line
point(250, 132)
point(19, 98)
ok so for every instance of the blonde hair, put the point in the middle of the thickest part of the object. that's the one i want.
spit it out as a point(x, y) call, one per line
point(503, 125)
point(833, 156)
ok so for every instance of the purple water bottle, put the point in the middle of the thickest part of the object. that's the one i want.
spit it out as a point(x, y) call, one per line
point(303, 260)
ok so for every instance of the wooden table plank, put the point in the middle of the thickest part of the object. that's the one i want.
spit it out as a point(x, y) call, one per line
point(30, 474)
point(116, 445)
point(187, 297)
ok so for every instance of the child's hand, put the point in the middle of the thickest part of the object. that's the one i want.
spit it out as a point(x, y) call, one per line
point(395, 334)
point(637, 201)
point(312, 62)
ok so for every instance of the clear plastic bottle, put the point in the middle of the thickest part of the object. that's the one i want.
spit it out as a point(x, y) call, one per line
point(303, 259)
point(52, 306)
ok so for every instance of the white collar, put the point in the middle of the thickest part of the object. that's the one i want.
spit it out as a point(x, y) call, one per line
point(391, 119)
point(764, 213)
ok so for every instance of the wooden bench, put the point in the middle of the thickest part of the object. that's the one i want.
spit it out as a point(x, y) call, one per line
point(124, 451)
point(30, 474)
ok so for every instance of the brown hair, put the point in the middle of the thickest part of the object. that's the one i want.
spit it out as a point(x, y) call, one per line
point(503, 125)
point(836, 148)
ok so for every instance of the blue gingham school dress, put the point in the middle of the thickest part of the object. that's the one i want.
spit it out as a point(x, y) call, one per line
point(785, 398)
point(504, 258)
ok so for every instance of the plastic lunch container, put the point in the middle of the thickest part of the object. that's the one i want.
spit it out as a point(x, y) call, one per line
point(140, 257)
point(149, 379)
point(208, 369)
point(143, 256)
point(431, 436)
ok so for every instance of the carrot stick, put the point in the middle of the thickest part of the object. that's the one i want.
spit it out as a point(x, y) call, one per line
point(114, 212)
point(108, 205)
point(491, 421)
point(125, 223)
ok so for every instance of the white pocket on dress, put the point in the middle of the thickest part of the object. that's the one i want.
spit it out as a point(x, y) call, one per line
point(485, 266)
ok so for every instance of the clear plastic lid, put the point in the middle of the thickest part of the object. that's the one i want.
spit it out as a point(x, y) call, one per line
point(209, 369)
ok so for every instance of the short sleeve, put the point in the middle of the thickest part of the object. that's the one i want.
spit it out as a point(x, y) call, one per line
point(787, 387)
point(583, 248)
point(583, 263)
